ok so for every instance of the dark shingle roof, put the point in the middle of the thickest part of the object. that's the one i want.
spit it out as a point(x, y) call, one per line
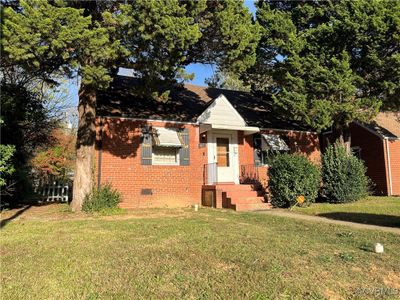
point(386, 124)
point(186, 104)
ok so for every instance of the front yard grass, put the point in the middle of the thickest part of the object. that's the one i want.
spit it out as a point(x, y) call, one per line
point(179, 253)
point(383, 211)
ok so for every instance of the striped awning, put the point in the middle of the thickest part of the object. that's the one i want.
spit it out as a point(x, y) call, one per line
point(166, 137)
point(273, 142)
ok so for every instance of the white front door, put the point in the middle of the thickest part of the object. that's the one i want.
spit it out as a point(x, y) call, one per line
point(225, 155)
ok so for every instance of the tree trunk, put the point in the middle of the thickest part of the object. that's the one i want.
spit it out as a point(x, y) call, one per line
point(341, 134)
point(85, 154)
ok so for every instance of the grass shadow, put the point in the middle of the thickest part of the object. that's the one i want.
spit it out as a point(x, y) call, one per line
point(364, 218)
point(19, 212)
point(17, 209)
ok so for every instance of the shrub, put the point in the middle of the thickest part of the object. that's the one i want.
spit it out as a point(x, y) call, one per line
point(6, 163)
point(105, 198)
point(293, 178)
point(343, 176)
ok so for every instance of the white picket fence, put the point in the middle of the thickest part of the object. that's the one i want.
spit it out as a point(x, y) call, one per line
point(53, 190)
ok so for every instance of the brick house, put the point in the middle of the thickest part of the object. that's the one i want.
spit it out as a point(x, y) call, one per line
point(378, 144)
point(207, 146)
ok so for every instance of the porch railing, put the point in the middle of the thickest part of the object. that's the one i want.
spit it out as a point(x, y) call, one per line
point(210, 174)
point(248, 174)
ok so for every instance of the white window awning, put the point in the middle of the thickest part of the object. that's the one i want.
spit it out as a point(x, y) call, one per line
point(273, 142)
point(166, 137)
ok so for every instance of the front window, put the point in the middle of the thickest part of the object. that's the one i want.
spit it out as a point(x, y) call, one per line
point(167, 156)
point(266, 155)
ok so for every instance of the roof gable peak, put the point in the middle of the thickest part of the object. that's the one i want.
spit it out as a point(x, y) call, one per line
point(221, 112)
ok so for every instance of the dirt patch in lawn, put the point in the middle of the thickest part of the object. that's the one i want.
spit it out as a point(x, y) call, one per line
point(61, 211)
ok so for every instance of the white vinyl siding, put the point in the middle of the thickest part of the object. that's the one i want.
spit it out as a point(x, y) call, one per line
point(166, 156)
point(221, 112)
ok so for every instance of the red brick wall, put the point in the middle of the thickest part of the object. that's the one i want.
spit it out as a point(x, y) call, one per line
point(299, 142)
point(305, 143)
point(121, 166)
point(246, 153)
point(394, 152)
point(263, 177)
point(170, 185)
point(373, 154)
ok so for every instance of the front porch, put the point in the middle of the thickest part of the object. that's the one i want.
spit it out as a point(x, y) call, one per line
point(248, 195)
point(231, 178)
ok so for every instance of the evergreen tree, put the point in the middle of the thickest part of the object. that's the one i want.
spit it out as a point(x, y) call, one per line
point(329, 63)
point(227, 80)
point(91, 40)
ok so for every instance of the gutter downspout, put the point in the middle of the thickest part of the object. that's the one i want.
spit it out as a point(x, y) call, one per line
point(388, 166)
point(99, 159)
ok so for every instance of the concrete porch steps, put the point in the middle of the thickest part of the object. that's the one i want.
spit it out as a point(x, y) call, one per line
point(242, 197)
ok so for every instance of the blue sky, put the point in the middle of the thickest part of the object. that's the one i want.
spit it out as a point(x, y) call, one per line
point(201, 71)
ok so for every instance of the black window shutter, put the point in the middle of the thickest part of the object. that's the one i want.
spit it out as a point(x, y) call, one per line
point(146, 148)
point(184, 151)
point(257, 157)
point(257, 150)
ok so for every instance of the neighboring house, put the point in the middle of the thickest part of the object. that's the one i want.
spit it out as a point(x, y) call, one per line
point(378, 144)
point(205, 145)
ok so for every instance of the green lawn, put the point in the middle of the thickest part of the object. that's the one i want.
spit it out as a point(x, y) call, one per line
point(383, 211)
point(183, 254)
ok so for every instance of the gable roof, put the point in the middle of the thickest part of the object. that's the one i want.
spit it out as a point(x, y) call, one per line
point(386, 124)
point(221, 111)
point(187, 103)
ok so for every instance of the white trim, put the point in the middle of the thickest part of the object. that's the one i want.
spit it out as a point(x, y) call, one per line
point(221, 98)
point(197, 123)
point(289, 130)
point(233, 150)
point(389, 167)
point(149, 120)
point(247, 129)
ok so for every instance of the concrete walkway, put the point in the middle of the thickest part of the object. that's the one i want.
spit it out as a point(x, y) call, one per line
point(293, 215)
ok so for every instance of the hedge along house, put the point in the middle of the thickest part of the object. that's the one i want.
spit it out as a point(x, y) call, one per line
point(205, 146)
point(378, 144)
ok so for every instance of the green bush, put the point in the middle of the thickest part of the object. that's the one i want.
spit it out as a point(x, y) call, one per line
point(105, 198)
point(343, 176)
point(290, 177)
point(6, 163)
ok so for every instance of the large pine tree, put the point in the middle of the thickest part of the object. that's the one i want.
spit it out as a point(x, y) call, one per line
point(329, 63)
point(92, 39)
